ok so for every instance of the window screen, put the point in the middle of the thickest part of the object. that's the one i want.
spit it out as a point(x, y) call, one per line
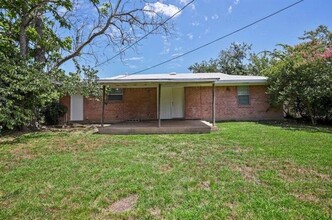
point(243, 95)
point(116, 94)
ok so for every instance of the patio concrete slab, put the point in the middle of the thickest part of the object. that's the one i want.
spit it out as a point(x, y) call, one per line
point(151, 127)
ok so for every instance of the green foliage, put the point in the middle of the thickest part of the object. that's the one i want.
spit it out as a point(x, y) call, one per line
point(38, 36)
point(83, 81)
point(29, 81)
point(301, 77)
point(210, 66)
point(53, 112)
point(235, 60)
point(24, 90)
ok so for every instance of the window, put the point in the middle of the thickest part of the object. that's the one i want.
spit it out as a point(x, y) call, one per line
point(116, 94)
point(243, 95)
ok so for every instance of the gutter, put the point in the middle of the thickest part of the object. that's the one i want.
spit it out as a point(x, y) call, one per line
point(107, 81)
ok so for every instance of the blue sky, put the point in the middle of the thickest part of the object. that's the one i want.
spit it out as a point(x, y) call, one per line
point(206, 20)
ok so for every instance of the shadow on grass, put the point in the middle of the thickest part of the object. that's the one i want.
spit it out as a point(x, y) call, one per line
point(296, 126)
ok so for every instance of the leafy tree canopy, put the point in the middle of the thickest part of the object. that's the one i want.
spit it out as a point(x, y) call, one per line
point(238, 59)
point(301, 77)
point(38, 36)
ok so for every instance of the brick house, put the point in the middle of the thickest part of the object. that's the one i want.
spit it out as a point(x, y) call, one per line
point(206, 96)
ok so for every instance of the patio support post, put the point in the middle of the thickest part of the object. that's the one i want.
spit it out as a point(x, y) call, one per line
point(159, 95)
point(213, 104)
point(103, 107)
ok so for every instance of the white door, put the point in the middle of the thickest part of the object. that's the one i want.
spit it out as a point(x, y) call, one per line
point(166, 103)
point(177, 102)
point(76, 108)
point(172, 103)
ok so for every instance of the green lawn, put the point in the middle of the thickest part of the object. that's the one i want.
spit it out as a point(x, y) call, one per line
point(244, 170)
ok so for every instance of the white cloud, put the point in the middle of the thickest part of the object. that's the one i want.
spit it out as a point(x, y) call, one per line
point(190, 36)
point(176, 54)
point(160, 8)
point(167, 45)
point(134, 59)
point(206, 18)
point(195, 23)
point(214, 17)
point(184, 2)
point(178, 49)
point(230, 9)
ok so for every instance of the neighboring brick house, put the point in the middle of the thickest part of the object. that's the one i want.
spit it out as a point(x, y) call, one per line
point(208, 96)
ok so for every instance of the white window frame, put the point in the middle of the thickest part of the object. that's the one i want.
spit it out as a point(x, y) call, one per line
point(243, 91)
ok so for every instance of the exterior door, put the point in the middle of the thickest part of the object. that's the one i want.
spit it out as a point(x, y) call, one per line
point(166, 103)
point(172, 103)
point(76, 108)
point(177, 102)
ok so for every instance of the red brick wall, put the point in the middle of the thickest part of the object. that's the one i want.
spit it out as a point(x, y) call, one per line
point(199, 104)
point(137, 103)
point(141, 104)
point(66, 102)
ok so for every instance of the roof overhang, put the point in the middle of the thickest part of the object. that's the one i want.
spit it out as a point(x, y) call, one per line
point(135, 81)
point(201, 79)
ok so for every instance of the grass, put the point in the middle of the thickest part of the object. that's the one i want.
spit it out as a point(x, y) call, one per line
point(245, 170)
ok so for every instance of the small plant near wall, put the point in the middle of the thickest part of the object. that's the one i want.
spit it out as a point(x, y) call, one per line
point(53, 112)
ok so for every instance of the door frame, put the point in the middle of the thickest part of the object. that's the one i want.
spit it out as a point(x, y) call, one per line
point(170, 104)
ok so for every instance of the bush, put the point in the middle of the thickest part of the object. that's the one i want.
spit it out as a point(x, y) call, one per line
point(53, 112)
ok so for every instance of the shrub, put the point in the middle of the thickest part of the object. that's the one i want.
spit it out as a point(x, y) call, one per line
point(53, 112)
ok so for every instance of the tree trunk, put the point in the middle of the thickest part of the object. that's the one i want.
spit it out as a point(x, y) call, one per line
point(40, 50)
point(312, 117)
point(23, 39)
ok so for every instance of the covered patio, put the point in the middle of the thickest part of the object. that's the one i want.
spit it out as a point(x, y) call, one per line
point(153, 127)
point(170, 104)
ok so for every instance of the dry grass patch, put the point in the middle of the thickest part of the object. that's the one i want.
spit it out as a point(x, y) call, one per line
point(20, 153)
point(205, 185)
point(124, 205)
point(247, 172)
point(306, 197)
point(156, 213)
point(291, 172)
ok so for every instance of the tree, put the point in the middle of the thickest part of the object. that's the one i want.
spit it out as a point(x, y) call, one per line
point(210, 66)
point(235, 60)
point(301, 77)
point(38, 36)
point(260, 62)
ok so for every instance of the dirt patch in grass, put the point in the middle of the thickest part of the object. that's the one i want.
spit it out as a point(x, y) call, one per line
point(248, 173)
point(306, 197)
point(79, 145)
point(205, 185)
point(22, 153)
point(165, 168)
point(156, 213)
point(124, 205)
point(290, 172)
point(238, 149)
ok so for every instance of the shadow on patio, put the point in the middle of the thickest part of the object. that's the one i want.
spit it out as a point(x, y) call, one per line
point(151, 127)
